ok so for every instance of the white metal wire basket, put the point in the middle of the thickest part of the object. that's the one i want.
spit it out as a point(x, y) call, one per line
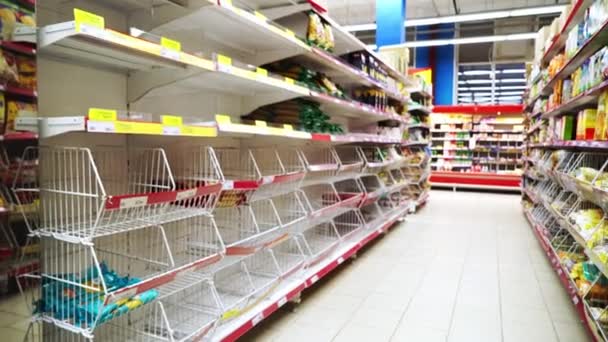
point(292, 210)
point(248, 228)
point(243, 284)
point(91, 193)
point(372, 216)
point(84, 285)
point(324, 202)
point(253, 174)
point(375, 158)
point(350, 189)
point(321, 163)
point(290, 256)
point(351, 162)
point(348, 223)
point(373, 188)
point(319, 241)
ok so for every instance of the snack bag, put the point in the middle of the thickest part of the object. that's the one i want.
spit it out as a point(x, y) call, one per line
point(600, 120)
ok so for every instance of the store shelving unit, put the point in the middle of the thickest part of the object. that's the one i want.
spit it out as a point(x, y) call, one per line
point(478, 150)
point(141, 211)
point(562, 180)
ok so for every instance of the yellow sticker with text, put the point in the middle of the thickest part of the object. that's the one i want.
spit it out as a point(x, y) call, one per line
point(288, 127)
point(224, 59)
point(100, 114)
point(290, 80)
point(261, 72)
point(172, 120)
point(290, 32)
point(89, 19)
point(260, 123)
point(170, 44)
point(223, 119)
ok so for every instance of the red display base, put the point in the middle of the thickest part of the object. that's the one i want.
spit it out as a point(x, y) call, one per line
point(470, 179)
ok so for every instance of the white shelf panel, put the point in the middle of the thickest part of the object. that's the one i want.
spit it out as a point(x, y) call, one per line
point(102, 48)
point(352, 109)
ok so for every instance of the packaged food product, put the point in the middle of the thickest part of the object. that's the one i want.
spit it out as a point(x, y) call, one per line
point(585, 127)
point(600, 126)
point(15, 109)
point(8, 20)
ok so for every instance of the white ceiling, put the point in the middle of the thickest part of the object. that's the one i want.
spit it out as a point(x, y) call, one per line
point(350, 12)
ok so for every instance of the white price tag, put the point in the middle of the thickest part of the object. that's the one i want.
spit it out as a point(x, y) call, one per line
point(133, 202)
point(282, 301)
point(224, 68)
point(575, 300)
point(185, 194)
point(170, 130)
point(257, 319)
point(340, 260)
point(314, 279)
point(93, 31)
point(170, 53)
point(101, 126)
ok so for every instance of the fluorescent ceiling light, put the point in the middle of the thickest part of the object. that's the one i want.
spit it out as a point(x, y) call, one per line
point(503, 93)
point(476, 72)
point(512, 80)
point(514, 71)
point(467, 17)
point(470, 40)
point(512, 87)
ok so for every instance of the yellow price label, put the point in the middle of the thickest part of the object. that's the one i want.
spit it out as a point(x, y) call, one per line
point(260, 15)
point(224, 59)
point(261, 72)
point(172, 120)
point(260, 123)
point(223, 119)
point(123, 127)
point(199, 131)
point(89, 19)
point(288, 127)
point(100, 114)
point(290, 32)
point(226, 2)
point(231, 314)
point(170, 44)
point(290, 80)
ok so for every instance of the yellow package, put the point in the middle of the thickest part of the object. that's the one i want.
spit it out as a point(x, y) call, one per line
point(16, 108)
point(602, 106)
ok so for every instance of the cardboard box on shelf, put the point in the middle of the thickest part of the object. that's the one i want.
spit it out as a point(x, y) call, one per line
point(585, 126)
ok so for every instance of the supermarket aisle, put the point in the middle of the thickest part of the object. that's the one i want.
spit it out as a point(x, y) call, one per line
point(466, 269)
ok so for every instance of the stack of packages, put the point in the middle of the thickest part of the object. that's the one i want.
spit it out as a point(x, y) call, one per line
point(303, 114)
point(319, 33)
point(312, 79)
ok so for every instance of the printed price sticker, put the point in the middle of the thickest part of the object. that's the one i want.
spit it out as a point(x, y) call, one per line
point(223, 119)
point(289, 80)
point(170, 44)
point(282, 301)
point(224, 59)
point(257, 319)
point(88, 19)
point(171, 120)
point(171, 130)
point(185, 194)
point(133, 202)
point(290, 32)
point(260, 123)
point(261, 72)
point(100, 114)
point(314, 279)
point(288, 127)
point(340, 260)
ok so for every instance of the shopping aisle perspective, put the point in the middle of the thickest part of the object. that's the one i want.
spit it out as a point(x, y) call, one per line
point(466, 268)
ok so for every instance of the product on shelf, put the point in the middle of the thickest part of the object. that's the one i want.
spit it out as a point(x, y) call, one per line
point(319, 33)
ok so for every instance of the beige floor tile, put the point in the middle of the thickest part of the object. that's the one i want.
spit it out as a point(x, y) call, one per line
point(11, 335)
point(358, 332)
point(518, 331)
point(414, 333)
point(571, 332)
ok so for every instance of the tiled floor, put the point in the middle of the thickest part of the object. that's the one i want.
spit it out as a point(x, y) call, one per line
point(466, 268)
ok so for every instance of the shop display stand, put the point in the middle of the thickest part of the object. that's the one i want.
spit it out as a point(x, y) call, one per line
point(18, 252)
point(480, 150)
point(557, 193)
point(162, 219)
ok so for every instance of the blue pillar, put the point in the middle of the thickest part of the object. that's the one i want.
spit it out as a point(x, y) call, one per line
point(423, 54)
point(390, 21)
point(444, 68)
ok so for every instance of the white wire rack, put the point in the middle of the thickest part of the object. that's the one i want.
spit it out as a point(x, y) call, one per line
point(324, 202)
point(351, 161)
point(248, 228)
point(85, 284)
point(318, 241)
point(188, 314)
point(252, 174)
point(372, 215)
point(290, 256)
point(373, 188)
point(348, 223)
point(350, 189)
point(375, 158)
point(91, 193)
point(243, 284)
point(321, 163)
point(292, 209)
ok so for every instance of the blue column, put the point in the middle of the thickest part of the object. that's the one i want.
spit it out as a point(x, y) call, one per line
point(443, 68)
point(423, 54)
point(390, 21)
